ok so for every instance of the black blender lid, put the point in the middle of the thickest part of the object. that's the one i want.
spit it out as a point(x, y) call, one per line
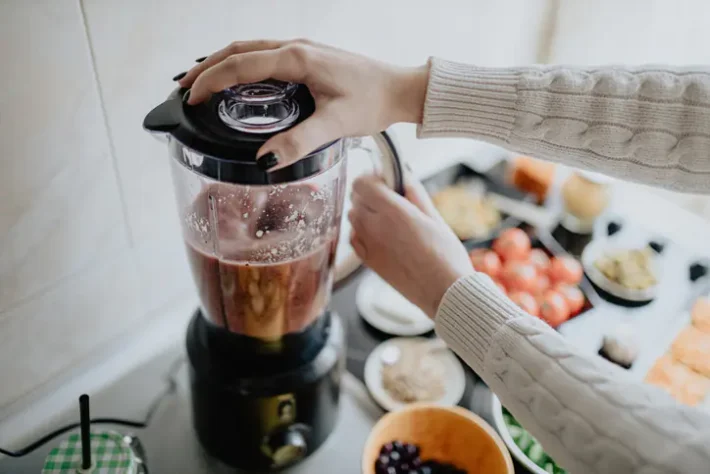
point(232, 125)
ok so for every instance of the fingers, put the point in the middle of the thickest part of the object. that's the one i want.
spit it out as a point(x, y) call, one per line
point(292, 145)
point(372, 190)
point(416, 194)
point(358, 246)
point(237, 47)
point(288, 63)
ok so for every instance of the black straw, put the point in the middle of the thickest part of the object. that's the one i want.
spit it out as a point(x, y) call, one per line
point(85, 421)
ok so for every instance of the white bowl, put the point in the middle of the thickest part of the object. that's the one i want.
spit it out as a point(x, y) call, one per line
point(502, 428)
point(597, 249)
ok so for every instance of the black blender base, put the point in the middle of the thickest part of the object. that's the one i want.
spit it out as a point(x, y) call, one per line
point(270, 422)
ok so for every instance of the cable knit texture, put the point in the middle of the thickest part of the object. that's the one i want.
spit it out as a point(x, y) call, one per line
point(587, 413)
point(647, 124)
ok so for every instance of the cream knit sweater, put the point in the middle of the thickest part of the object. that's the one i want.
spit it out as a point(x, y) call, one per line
point(650, 125)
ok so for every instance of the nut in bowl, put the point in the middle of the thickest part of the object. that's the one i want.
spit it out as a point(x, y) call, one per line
point(431, 438)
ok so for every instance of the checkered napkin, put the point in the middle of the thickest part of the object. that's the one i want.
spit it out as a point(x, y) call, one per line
point(110, 455)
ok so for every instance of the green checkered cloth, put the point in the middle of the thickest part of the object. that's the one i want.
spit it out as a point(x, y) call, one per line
point(109, 453)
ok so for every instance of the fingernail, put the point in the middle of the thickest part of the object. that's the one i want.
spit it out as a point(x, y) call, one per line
point(180, 76)
point(267, 161)
point(199, 60)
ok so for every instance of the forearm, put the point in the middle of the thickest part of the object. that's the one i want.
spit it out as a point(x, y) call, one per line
point(586, 413)
point(650, 125)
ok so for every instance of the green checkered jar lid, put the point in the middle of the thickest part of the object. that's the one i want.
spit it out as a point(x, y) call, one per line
point(109, 452)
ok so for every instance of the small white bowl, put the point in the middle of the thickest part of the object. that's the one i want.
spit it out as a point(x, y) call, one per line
point(596, 250)
point(455, 378)
point(502, 429)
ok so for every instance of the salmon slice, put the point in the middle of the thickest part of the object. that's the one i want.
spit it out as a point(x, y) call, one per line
point(692, 348)
point(700, 314)
point(681, 382)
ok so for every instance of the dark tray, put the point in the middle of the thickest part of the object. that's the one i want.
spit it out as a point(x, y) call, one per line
point(493, 181)
point(542, 239)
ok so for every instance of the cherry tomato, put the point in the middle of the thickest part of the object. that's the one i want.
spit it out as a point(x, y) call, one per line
point(486, 261)
point(573, 296)
point(540, 259)
point(513, 244)
point(519, 276)
point(553, 309)
point(526, 302)
point(542, 284)
point(565, 270)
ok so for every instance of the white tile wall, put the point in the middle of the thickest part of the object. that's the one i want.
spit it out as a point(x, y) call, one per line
point(60, 208)
point(89, 247)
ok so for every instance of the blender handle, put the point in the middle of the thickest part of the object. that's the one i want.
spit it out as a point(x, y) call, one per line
point(393, 174)
point(392, 170)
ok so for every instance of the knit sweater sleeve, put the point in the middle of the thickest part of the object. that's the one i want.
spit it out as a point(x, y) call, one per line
point(646, 124)
point(588, 414)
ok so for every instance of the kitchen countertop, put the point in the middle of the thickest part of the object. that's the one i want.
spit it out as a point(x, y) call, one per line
point(656, 215)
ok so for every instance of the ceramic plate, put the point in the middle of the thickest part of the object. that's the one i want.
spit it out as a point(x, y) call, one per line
point(387, 310)
point(455, 376)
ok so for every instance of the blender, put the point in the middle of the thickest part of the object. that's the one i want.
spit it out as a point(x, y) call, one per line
point(265, 353)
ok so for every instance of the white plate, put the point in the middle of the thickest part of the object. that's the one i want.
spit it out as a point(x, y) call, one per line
point(502, 428)
point(386, 309)
point(455, 378)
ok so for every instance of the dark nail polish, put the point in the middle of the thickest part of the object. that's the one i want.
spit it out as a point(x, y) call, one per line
point(180, 76)
point(199, 60)
point(267, 161)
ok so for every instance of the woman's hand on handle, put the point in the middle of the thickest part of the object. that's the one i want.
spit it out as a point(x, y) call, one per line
point(405, 241)
point(354, 95)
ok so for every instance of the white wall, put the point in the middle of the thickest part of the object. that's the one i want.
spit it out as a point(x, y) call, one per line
point(636, 32)
point(89, 246)
point(89, 243)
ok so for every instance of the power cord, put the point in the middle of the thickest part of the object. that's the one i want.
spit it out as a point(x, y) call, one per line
point(170, 388)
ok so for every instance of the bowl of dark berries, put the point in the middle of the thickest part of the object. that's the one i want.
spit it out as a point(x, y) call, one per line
point(432, 439)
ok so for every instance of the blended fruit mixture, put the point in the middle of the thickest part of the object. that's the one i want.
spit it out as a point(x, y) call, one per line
point(262, 257)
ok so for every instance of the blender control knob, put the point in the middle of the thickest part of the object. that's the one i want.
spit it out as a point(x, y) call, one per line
point(288, 446)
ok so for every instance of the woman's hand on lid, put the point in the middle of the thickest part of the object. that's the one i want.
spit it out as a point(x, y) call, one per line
point(354, 95)
point(405, 241)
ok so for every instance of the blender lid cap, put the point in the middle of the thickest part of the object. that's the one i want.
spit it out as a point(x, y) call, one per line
point(232, 125)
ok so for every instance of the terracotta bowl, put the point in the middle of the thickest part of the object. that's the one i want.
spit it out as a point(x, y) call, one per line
point(447, 434)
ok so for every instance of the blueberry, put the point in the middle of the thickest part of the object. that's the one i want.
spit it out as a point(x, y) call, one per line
point(613, 228)
point(412, 450)
point(387, 448)
point(425, 470)
point(392, 470)
point(395, 456)
point(657, 246)
point(697, 271)
point(397, 445)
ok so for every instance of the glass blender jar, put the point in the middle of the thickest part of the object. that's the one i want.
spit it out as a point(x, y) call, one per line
point(265, 353)
point(261, 246)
